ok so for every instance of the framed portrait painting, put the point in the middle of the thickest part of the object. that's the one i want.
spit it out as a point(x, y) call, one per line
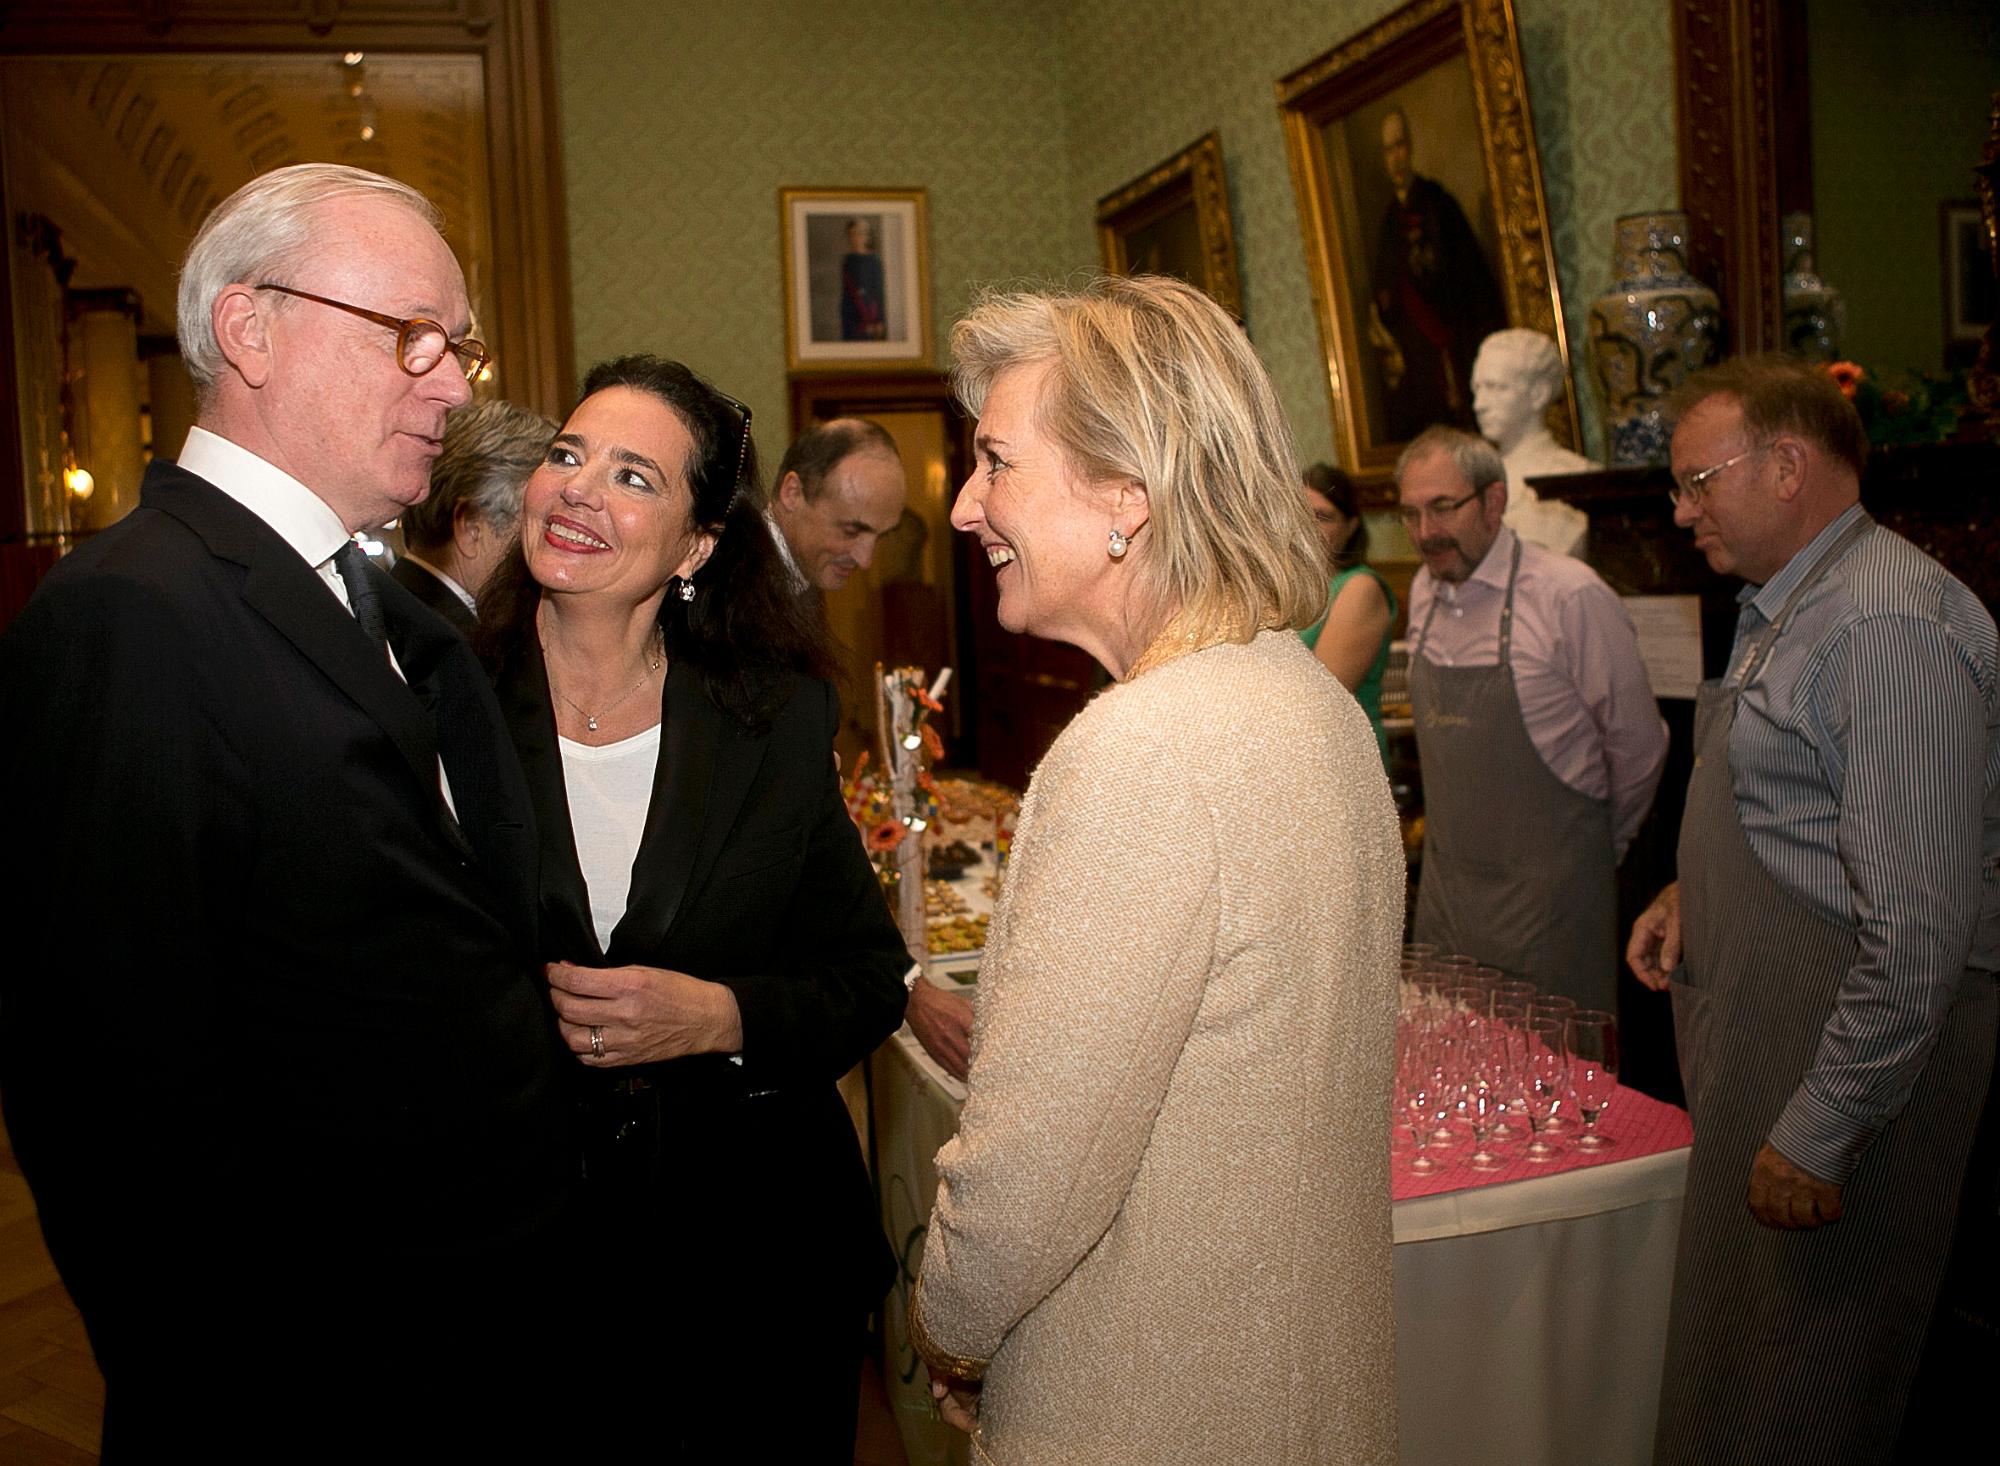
point(1174, 220)
point(857, 278)
point(1420, 196)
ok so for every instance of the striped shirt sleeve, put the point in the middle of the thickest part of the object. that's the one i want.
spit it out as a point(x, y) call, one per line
point(1897, 717)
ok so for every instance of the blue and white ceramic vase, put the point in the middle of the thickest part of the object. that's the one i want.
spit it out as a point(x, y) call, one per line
point(1815, 315)
point(1655, 325)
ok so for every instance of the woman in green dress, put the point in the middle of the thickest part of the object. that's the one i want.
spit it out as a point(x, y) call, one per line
point(1352, 639)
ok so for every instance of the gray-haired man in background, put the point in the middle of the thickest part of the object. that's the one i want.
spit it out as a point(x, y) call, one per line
point(460, 533)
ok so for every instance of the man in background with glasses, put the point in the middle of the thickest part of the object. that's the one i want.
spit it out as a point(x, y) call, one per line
point(1831, 942)
point(1538, 737)
point(276, 1059)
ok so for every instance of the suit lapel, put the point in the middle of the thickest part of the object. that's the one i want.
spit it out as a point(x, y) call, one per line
point(707, 764)
point(486, 786)
point(522, 687)
point(289, 594)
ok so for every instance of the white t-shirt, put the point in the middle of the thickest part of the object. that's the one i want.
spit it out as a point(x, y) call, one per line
point(610, 790)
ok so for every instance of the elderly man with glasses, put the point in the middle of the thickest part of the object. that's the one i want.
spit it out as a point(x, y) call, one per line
point(278, 1059)
point(1831, 942)
point(1537, 733)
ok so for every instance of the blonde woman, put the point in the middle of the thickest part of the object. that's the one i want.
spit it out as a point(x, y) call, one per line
point(1162, 1231)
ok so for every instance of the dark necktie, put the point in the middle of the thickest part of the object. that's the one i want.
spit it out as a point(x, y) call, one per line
point(352, 563)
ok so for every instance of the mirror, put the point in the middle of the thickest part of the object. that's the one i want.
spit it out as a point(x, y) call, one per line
point(111, 165)
point(1866, 117)
point(124, 123)
point(1900, 97)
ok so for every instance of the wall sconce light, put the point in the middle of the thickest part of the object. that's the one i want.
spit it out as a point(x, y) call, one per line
point(79, 482)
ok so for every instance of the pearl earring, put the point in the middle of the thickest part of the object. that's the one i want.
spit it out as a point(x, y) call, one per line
point(1118, 544)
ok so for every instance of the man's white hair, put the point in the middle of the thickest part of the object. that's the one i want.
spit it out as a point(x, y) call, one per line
point(258, 232)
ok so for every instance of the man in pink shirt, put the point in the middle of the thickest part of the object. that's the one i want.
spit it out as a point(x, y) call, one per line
point(1537, 733)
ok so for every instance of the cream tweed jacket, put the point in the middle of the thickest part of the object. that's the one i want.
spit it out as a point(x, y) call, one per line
point(1163, 1226)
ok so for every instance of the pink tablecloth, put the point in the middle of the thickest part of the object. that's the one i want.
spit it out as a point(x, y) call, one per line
point(1639, 1124)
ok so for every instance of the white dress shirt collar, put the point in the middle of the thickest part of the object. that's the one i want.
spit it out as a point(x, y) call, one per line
point(301, 518)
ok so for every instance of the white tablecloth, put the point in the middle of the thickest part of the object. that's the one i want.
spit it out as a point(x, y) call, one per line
point(1530, 1317)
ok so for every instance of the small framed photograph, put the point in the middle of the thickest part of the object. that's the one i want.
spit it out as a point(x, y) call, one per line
point(1969, 288)
point(857, 278)
point(1174, 220)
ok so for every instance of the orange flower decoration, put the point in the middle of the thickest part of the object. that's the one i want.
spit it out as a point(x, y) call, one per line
point(886, 836)
point(933, 745)
point(1847, 376)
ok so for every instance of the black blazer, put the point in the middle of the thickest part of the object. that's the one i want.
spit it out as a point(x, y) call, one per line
point(750, 874)
point(441, 598)
point(275, 1052)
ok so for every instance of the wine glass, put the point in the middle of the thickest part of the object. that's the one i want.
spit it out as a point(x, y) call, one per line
point(1592, 1039)
point(1420, 1089)
point(1554, 1008)
point(1453, 967)
point(1509, 1031)
point(1547, 1086)
point(1484, 1087)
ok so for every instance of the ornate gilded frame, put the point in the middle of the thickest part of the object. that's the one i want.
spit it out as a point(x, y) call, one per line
point(1192, 179)
point(1403, 47)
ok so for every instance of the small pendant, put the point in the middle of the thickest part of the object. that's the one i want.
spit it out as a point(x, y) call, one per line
point(590, 722)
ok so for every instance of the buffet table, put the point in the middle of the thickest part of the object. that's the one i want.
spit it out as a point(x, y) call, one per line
point(1530, 1315)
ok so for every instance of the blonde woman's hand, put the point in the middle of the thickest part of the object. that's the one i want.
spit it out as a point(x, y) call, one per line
point(957, 1401)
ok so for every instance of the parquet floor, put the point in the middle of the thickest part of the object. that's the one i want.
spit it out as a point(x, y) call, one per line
point(51, 1395)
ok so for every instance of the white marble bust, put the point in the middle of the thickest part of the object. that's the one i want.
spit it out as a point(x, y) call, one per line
point(1514, 379)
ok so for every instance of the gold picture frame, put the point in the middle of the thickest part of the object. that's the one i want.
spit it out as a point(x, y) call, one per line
point(1401, 223)
point(1174, 220)
point(857, 278)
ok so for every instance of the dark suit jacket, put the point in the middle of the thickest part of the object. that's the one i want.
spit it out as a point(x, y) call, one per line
point(434, 593)
point(749, 874)
point(275, 1055)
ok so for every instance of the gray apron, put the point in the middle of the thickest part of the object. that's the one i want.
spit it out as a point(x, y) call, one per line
point(1518, 867)
point(1794, 1346)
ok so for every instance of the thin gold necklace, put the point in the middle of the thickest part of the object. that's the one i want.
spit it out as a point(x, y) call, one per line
point(653, 664)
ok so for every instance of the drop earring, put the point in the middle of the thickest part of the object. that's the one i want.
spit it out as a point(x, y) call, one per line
point(1118, 544)
point(686, 592)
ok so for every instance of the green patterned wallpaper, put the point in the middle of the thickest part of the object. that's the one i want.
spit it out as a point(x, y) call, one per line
point(682, 121)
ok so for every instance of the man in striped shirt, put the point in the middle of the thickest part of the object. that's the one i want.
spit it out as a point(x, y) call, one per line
point(1831, 942)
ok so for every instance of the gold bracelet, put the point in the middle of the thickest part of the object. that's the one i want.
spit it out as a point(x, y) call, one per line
point(940, 1362)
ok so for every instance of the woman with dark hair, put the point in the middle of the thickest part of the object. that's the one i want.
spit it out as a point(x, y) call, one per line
point(720, 950)
point(1352, 639)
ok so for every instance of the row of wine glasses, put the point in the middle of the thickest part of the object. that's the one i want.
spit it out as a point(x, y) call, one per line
point(1494, 1060)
